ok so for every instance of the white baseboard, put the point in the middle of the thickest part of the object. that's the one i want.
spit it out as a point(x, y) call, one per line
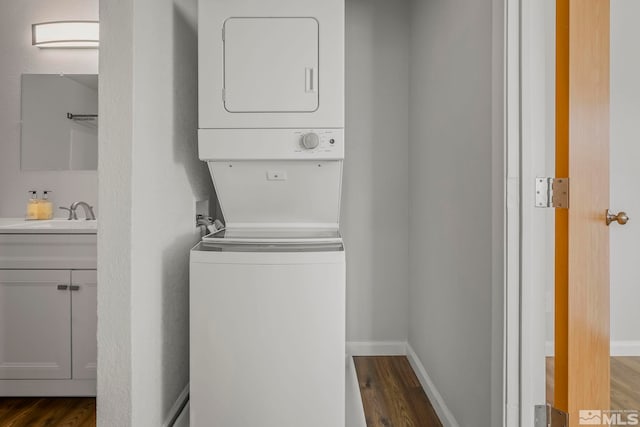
point(47, 388)
point(618, 348)
point(625, 348)
point(549, 349)
point(177, 408)
point(376, 348)
point(183, 418)
point(445, 415)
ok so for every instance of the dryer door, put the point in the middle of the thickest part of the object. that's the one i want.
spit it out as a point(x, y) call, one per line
point(270, 65)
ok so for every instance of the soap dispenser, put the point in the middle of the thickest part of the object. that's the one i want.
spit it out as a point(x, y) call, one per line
point(32, 205)
point(45, 207)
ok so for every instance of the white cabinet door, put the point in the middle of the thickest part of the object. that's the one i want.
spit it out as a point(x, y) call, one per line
point(35, 324)
point(271, 64)
point(84, 292)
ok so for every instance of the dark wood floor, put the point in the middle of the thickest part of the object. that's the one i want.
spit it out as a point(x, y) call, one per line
point(625, 382)
point(391, 393)
point(47, 412)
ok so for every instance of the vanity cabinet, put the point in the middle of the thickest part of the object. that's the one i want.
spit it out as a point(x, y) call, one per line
point(48, 315)
point(48, 325)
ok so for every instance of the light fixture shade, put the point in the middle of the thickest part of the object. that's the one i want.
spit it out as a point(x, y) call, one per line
point(66, 34)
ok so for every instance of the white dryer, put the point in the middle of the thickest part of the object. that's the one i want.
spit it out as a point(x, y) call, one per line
point(270, 64)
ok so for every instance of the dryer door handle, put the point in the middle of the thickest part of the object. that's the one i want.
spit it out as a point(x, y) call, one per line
point(310, 80)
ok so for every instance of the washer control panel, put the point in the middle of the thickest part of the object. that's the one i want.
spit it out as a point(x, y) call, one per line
point(256, 144)
point(318, 141)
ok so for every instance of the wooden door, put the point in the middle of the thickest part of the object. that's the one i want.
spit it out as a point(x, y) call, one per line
point(582, 237)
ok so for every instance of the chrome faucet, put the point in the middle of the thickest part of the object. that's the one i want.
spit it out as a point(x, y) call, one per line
point(72, 213)
point(88, 210)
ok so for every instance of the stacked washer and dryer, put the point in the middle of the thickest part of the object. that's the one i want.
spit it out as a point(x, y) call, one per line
point(267, 292)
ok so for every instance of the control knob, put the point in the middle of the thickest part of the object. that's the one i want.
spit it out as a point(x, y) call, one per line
point(310, 140)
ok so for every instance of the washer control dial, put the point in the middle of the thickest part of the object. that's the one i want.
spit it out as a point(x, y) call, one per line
point(310, 140)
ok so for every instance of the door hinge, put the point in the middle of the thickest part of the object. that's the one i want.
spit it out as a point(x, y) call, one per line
point(548, 416)
point(552, 192)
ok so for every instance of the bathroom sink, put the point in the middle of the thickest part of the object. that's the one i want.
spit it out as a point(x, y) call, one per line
point(53, 226)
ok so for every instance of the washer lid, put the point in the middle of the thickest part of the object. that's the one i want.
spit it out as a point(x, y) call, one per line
point(273, 236)
point(278, 193)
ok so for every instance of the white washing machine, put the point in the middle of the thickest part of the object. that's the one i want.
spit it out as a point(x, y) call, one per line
point(267, 297)
point(267, 293)
point(268, 329)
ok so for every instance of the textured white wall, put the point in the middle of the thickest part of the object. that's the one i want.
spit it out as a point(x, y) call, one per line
point(115, 138)
point(148, 72)
point(18, 57)
point(168, 178)
point(375, 184)
point(451, 213)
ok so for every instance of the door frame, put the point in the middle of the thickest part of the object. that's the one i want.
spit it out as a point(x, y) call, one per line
point(511, 298)
point(527, 266)
point(525, 262)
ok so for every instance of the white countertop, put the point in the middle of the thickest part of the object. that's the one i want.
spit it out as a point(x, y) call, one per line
point(51, 226)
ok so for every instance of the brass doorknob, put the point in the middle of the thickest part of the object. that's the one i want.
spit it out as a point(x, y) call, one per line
point(621, 218)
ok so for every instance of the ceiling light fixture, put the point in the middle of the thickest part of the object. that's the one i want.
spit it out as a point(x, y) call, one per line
point(66, 34)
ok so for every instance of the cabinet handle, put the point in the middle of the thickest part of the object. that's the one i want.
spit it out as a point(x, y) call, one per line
point(63, 287)
point(74, 287)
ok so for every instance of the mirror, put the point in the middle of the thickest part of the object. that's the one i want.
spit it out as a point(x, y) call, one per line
point(59, 122)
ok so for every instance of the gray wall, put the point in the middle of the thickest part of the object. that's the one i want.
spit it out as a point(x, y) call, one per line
point(625, 175)
point(451, 212)
point(18, 57)
point(375, 198)
point(150, 179)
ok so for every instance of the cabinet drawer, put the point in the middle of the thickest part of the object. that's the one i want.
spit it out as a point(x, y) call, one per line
point(48, 251)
